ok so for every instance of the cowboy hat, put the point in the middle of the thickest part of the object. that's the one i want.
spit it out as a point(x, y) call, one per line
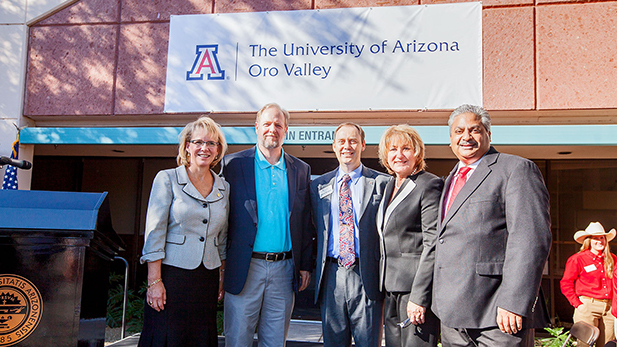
point(594, 229)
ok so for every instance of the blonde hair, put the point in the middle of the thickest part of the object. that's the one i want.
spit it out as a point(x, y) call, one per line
point(407, 135)
point(212, 129)
point(276, 106)
point(608, 258)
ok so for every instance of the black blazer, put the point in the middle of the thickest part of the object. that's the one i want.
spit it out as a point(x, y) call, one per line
point(239, 171)
point(407, 225)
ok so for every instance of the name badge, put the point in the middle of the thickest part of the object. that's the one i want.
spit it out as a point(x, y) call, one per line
point(590, 268)
point(325, 191)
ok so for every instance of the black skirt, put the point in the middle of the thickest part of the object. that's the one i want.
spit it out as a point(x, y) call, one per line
point(189, 317)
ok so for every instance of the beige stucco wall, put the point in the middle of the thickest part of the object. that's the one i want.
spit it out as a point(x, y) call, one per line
point(544, 63)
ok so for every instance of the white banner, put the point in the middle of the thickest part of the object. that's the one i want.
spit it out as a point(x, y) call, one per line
point(385, 58)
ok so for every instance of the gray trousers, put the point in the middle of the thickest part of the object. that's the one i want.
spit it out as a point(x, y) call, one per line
point(489, 337)
point(347, 311)
point(265, 304)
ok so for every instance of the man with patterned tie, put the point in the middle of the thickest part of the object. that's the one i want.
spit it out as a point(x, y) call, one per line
point(494, 236)
point(345, 203)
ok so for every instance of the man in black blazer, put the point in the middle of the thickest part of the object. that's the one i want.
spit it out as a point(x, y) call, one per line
point(345, 203)
point(269, 237)
point(494, 237)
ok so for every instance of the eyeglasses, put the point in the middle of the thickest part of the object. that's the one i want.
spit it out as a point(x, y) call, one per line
point(209, 144)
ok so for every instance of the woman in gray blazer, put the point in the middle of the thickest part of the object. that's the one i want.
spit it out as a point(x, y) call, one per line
point(185, 237)
point(407, 224)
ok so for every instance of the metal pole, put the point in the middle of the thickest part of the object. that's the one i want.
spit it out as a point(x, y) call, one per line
point(126, 292)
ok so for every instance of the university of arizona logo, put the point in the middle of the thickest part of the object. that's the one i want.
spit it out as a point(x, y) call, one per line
point(206, 63)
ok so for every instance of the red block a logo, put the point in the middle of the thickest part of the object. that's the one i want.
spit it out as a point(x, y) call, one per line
point(207, 63)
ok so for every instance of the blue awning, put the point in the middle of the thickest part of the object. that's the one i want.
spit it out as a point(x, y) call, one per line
point(53, 211)
point(528, 135)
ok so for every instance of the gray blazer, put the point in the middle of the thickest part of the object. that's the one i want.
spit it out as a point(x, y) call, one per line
point(492, 244)
point(407, 226)
point(183, 228)
point(321, 197)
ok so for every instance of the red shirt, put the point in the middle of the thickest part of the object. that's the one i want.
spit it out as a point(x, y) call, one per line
point(585, 276)
point(614, 302)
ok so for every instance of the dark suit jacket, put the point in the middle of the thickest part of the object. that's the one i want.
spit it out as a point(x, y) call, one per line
point(408, 228)
point(321, 195)
point(492, 244)
point(239, 171)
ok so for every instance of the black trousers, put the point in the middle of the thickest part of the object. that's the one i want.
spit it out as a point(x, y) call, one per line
point(189, 317)
point(395, 311)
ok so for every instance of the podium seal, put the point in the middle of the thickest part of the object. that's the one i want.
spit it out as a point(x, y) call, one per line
point(21, 307)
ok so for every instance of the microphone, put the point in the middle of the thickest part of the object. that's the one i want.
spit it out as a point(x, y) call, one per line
point(22, 164)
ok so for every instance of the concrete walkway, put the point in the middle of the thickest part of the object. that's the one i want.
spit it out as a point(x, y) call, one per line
point(305, 331)
point(302, 333)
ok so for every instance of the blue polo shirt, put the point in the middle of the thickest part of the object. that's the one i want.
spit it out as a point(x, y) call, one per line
point(273, 234)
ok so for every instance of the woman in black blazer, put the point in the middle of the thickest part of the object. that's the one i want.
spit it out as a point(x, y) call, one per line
point(407, 223)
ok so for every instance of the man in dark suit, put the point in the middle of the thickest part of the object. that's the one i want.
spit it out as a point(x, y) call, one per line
point(345, 203)
point(269, 235)
point(494, 237)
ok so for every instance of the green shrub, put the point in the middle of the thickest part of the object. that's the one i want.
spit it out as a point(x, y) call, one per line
point(219, 317)
point(558, 337)
point(134, 305)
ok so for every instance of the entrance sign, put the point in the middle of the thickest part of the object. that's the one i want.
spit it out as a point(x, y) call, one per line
point(386, 58)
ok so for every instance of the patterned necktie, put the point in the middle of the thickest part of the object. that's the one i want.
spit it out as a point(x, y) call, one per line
point(461, 179)
point(347, 253)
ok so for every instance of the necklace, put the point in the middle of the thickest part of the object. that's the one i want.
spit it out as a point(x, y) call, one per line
point(397, 186)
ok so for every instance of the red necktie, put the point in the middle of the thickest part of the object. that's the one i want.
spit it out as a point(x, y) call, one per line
point(347, 252)
point(461, 178)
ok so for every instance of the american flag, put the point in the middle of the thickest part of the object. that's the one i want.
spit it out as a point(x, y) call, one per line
point(10, 175)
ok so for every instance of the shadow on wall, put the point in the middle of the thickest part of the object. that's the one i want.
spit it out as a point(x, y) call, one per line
point(109, 57)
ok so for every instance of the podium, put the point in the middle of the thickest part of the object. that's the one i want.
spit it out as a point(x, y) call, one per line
point(56, 250)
